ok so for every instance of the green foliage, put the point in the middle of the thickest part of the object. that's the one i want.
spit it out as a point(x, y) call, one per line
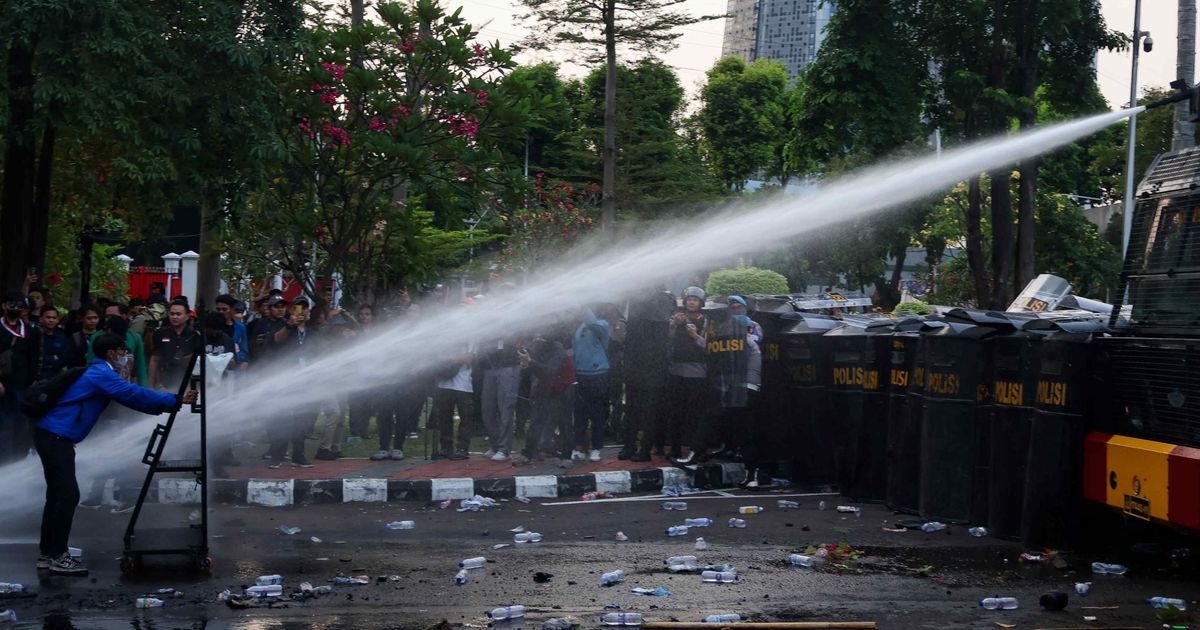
point(913, 307)
point(1154, 129)
point(646, 26)
point(743, 280)
point(1075, 249)
point(743, 117)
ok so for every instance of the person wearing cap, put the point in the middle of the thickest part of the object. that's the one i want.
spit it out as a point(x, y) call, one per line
point(687, 381)
point(67, 424)
point(15, 375)
point(263, 330)
point(173, 348)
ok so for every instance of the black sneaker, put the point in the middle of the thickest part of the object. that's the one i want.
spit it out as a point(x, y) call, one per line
point(436, 455)
point(641, 456)
point(625, 453)
point(299, 461)
point(325, 454)
point(459, 455)
point(66, 565)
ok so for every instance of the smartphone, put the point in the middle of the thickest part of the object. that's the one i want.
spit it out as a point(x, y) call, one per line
point(297, 309)
point(32, 271)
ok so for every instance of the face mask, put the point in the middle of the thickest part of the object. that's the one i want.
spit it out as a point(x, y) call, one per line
point(123, 360)
point(743, 320)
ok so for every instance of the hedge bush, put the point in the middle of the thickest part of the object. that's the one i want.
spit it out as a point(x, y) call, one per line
point(914, 307)
point(743, 280)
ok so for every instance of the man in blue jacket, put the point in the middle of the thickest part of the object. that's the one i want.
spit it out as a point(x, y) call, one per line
point(67, 424)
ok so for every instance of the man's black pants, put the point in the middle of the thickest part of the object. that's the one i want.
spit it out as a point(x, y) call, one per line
point(62, 491)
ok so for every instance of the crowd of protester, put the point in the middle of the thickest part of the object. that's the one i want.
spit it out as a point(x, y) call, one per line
point(656, 373)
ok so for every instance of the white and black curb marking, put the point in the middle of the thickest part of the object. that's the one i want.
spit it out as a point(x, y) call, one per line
point(285, 492)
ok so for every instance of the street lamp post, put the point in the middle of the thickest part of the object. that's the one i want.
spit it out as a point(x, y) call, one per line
point(1127, 208)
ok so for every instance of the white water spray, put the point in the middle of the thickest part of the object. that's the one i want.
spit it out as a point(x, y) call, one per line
point(610, 272)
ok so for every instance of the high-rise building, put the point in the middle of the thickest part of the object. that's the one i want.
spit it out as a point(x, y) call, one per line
point(788, 30)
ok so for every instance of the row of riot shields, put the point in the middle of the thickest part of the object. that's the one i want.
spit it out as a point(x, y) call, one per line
point(973, 417)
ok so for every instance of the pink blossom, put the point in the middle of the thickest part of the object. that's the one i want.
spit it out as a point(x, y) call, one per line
point(317, 87)
point(306, 128)
point(336, 135)
point(480, 52)
point(401, 111)
point(336, 70)
point(407, 47)
point(377, 125)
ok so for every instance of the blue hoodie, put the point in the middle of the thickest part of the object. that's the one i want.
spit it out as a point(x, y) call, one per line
point(591, 345)
point(80, 407)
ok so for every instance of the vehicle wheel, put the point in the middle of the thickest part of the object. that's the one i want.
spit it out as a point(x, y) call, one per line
point(130, 565)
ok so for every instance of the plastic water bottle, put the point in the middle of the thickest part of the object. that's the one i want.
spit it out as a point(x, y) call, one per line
point(697, 522)
point(675, 505)
point(677, 530)
point(402, 525)
point(1105, 568)
point(719, 576)
point(700, 544)
point(621, 619)
point(726, 618)
point(737, 522)
point(357, 580)
point(1082, 588)
point(612, 577)
point(978, 532)
point(469, 505)
point(682, 568)
point(149, 602)
point(270, 590)
point(785, 504)
point(460, 578)
point(680, 560)
point(750, 509)
point(11, 587)
point(798, 560)
point(323, 589)
point(527, 537)
point(932, 526)
point(1167, 602)
point(507, 612)
point(998, 603)
point(268, 580)
point(473, 563)
point(290, 531)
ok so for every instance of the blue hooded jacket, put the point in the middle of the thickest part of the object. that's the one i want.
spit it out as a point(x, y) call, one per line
point(80, 407)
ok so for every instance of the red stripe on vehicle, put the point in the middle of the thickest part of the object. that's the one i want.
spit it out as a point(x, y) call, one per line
point(1095, 467)
point(1183, 483)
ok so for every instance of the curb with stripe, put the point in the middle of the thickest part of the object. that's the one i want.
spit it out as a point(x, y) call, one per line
point(286, 492)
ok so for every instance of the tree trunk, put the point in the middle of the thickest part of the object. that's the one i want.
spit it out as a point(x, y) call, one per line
point(608, 202)
point(20, 157)
point(1027, 36)
point(1002, 213)
point(39, 219)
point(890, 293)
point(975, 258)
point(208, 267)
point(1184, 136)
point(357, 13)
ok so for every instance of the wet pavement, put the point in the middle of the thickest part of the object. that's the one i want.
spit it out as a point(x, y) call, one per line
point(907, 579)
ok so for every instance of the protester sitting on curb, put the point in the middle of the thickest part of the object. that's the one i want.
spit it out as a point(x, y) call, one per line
point(67, 424)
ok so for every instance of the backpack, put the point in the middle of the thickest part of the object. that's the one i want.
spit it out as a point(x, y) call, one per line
point(44, 395)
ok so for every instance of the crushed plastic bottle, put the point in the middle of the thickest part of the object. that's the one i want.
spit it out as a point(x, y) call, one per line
point(1082, 588)
point(933, 526)
point(323, 589)
point(1030, 557)
point(621, 619)
point(612, 577)
point(75, 552)
point(473, 563)
point(592, 496)
point(527, 537)
point(750, 509)
point(785, 504)
point(821, 505)
point(290, 531)
point(680, 560)
point(557, 623)
point(523, 499)
point(675, 505)
point(9, 616)
point(469, 505)
point(270, 590)
point(682, 568)
point(355, 580)
point(978, 532)
point(998, 603)
point(697, 522)
point(621, 537)
point(737, 522)
point(268, 580)
point(148, 602)
point(224, 595)
point(1167, 602)
point(700, 544)
point(507, 612)
point(402, 525)
point(725, 618)
point(305, 587)
point(1105, 568)
point(461, 578)
point(848, 509)
point(723, 577)
point(677, 530)
point(11, 587)
point(800, 560)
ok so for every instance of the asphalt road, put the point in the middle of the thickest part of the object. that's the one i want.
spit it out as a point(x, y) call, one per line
point(905, 579)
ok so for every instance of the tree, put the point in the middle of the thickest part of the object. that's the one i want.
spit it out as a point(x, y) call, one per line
point(422, 110)
point(1154, 130)
point(600, 25)
point(743, 117)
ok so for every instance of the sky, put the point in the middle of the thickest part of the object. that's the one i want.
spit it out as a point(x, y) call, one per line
point(700, 44)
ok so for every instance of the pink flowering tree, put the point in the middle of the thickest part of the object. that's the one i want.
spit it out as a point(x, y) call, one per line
point(553, 219)
point(394, 138)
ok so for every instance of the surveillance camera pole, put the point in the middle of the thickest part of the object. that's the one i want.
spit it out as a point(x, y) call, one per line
point(1127, 208)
